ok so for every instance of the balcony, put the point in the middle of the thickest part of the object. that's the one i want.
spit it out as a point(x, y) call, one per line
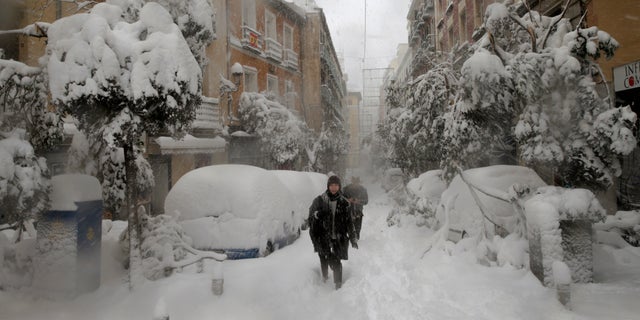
point(290, 59)
point(273, 50)
point(332, 67)
point(251, 39)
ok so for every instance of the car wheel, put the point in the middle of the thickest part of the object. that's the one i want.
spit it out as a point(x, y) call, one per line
point(269, 248)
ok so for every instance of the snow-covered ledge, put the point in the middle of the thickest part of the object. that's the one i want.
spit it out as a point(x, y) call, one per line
point(190, 145)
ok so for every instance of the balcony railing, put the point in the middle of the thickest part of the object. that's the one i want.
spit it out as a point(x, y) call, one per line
point(251, 39)
point(273, 49)
point(291, 59)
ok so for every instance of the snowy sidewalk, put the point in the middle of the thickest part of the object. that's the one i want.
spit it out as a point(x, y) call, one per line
point(384, 279)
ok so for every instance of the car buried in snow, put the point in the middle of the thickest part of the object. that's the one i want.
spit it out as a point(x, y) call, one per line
point(459, 212)
point(241, 210)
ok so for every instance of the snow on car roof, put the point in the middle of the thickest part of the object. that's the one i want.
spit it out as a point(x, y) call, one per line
point(240, 190)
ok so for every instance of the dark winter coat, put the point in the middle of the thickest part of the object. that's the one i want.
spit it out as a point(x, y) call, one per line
point(320, 226)
point(357, 192)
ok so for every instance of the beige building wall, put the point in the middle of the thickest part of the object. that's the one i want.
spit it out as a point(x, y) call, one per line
point(311, 71)
point(622, 22)
point(353, 117)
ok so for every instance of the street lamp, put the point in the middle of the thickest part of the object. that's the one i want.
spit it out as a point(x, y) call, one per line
point(227, 87)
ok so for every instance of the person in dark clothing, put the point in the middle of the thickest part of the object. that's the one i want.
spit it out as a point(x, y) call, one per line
point(331, 228)
point(358, 197)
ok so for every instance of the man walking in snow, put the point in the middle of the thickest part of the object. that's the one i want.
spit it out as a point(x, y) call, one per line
point(331, 228)
point(358, 197)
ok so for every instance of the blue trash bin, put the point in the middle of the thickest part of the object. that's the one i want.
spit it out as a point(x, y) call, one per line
point(69, 238)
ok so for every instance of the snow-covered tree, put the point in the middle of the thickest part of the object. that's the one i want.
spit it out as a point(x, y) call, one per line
point(120, 80)
point(195, 18)
point(326, 152)
point(26, 129)
point(283, 136)
point(24, 182)
point(416, 119)
point(531, 79)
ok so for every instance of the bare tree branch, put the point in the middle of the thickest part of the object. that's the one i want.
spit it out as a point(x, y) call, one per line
point(529, 29)
point(496, 49)
point(546, 36)
point(37, 30)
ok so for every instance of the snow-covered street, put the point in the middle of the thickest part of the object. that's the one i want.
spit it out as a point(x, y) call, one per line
point(384, 279)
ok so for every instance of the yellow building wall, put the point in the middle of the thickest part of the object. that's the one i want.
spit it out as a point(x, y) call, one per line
point(622, 21)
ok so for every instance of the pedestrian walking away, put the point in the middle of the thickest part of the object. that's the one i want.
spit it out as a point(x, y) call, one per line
point(358, 197)
point(331, 229)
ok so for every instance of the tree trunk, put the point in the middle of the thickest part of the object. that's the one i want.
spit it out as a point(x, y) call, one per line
point(135, 260)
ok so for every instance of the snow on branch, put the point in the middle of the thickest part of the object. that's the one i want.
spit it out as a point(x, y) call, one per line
point(37, 29)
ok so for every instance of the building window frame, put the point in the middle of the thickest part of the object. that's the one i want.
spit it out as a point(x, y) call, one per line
point(270, 25)
point(287, 39)
point(273, 85)
point(249, 13)
point(250, 79)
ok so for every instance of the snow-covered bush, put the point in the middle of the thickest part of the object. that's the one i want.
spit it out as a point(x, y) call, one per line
point(162, 245)
point(416, 202)
point(24, 183)
point(624, 224)
point(23, 98)
point(16, 261)
point(26, 127)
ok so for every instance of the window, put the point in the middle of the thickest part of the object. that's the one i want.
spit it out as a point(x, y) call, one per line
point(288, 37)
point(249, 13)
point(289, 94)
point(270, 25)
point(272, 85)
point(250, 79)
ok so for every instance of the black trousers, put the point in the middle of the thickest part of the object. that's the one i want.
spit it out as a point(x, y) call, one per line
point(357, 221)
point(334, 262)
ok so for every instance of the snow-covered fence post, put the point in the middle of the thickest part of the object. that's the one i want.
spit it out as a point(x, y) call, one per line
point(160, 311)
point(69, 237)
point(562, 279)
point(559, 225)
point(217, 282)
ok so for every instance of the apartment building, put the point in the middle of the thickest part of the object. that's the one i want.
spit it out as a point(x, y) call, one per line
point(324, 87)
point(262, 38)
point(353, 101)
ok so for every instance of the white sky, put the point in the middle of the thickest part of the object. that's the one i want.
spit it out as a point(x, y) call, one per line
point(386, 28)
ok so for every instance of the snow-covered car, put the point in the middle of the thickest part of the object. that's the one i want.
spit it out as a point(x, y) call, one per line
point(304, 186)
point(458, 209)
point(241, 210)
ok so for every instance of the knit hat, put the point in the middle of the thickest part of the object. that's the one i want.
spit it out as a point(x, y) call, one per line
point(334, 180)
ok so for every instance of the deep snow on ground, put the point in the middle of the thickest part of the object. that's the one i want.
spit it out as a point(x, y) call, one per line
point(384, 279)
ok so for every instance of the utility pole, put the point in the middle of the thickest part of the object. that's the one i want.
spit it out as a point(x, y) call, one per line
point(364, 56)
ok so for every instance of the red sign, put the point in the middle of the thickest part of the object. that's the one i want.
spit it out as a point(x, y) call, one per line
point(253, 40)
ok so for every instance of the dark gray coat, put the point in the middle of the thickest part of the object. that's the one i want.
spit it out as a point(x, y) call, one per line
point(320, 226)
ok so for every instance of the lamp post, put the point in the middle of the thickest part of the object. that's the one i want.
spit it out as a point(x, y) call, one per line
point(227, 87)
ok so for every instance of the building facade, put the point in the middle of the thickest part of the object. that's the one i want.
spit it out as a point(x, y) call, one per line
point(324, 89)
point(353, 101)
